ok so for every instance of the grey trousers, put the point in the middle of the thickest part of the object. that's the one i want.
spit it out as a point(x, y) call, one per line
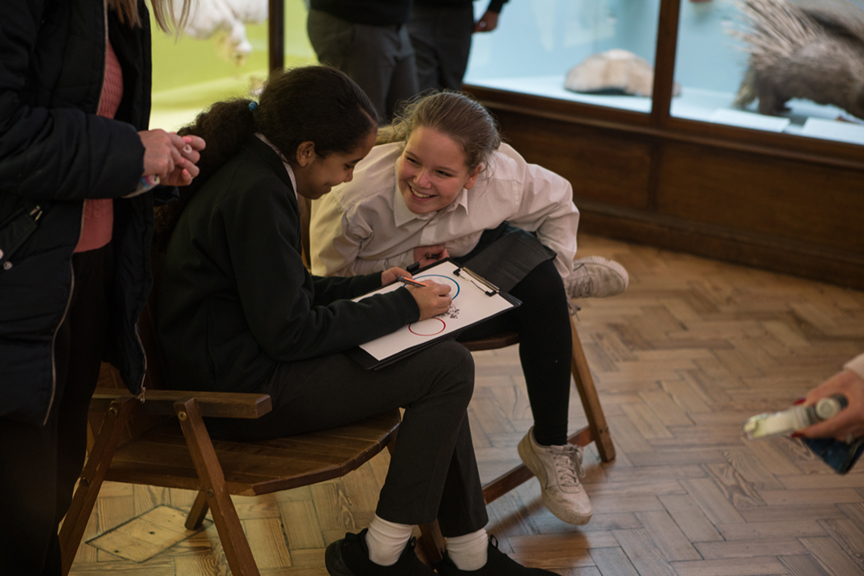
point(433, 471)
point(379, 58)
point(441, 37)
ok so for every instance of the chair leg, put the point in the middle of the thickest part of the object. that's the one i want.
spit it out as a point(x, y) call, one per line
point(91, 480)
point(198, 512)
point(590, 401)
point(432, 542)
point(213, 486)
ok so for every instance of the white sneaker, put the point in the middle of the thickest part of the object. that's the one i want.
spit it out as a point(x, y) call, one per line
point(596, 277)
point(558, 468)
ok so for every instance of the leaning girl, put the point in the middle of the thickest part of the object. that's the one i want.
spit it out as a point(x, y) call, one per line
point(442, 184)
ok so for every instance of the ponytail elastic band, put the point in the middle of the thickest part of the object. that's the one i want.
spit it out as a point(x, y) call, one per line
point(252, 106)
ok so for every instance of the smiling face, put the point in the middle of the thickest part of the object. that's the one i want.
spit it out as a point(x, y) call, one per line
point(317, 175)
point(432, 171)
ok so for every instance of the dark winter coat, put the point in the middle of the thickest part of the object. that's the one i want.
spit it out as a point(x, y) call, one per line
point(54, 153)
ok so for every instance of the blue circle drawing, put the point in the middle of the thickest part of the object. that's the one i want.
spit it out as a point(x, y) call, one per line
point(446, 280)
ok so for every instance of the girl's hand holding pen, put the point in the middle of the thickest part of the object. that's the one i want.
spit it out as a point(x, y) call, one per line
point(433, 299)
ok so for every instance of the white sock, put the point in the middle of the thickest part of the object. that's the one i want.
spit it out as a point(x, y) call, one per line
point(468, 552)
point(386, 540)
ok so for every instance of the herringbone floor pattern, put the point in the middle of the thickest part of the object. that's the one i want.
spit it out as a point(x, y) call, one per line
point(691, 350)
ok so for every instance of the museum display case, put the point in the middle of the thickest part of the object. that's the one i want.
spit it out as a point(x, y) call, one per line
point(537, 43)
point(688, 169)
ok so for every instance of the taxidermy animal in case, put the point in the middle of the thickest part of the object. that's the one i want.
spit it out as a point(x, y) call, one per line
point(812, 49)
point(226, 20)
point(613, 72)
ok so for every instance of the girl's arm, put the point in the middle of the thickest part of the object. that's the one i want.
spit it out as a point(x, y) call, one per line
point(55, 153)
point(281, 302)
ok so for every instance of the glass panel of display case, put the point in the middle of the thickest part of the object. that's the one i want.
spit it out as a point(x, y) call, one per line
point(222, 53)
point(538, 42)
point(805, 78)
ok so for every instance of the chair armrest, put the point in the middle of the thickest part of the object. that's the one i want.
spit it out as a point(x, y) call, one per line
point(210, 404)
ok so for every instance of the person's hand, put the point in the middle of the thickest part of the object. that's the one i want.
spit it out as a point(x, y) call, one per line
point(391, 274)
point(849, 423)
point(432, 300)
point(183, 174)
point(161, 152)
point(427, 255)
point(487, 23)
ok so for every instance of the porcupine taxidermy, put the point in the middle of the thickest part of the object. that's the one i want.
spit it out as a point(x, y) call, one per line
point(811, 49)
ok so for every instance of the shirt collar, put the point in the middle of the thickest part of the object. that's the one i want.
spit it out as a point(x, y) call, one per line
point(284, 161)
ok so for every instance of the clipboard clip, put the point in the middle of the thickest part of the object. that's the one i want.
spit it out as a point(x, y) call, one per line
point(487, 287)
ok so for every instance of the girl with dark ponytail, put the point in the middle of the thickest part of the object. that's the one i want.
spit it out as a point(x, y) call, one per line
point(238, 311)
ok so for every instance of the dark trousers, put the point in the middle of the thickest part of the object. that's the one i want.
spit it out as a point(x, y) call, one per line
point(40, 464)
point(433, 472)
point(545, 348)
point(441, 37)
point(379, 58)
point(516, 262)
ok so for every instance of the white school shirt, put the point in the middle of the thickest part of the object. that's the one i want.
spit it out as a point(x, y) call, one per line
point(364, 226)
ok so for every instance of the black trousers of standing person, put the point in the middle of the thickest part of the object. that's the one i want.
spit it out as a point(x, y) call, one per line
point(441, 37)
point(517, 263)
point(379, 58)
point(433, 472)
point(39, 465)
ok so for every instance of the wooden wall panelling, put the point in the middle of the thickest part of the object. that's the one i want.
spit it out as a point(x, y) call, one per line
point(602, 165)
point(795, 201)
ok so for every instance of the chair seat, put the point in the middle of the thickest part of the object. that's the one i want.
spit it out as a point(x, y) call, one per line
point(160, 457)
point(494, 342)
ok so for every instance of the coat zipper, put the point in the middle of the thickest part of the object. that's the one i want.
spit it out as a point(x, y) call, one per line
point(80, 232)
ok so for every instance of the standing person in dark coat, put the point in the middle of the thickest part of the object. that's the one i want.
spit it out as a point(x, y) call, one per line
point(76, 161)
point(441, 33)
point(368, 40)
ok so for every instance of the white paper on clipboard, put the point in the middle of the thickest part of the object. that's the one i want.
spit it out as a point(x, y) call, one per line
point(472, 302)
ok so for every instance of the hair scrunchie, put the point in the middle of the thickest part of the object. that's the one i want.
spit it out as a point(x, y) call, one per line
point(252, 106)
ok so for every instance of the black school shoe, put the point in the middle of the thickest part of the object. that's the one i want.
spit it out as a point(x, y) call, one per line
point(350, 557)
point(497, 564)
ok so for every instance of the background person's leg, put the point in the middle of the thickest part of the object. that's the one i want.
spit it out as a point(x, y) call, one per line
point(361, 51)
point(421, 28)
point(403, 79)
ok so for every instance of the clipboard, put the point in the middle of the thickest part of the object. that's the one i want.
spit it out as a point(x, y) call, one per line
point(474, 300)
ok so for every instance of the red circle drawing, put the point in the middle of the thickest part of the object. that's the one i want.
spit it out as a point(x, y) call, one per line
point(430, 328)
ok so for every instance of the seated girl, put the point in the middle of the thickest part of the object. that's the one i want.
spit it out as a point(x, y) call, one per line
point(238, 311)
point(444, 186)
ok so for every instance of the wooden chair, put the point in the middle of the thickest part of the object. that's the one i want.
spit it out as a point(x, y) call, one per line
point(597, 430)
point(162, 441)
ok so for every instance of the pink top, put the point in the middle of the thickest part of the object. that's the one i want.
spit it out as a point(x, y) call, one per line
point(99, 213)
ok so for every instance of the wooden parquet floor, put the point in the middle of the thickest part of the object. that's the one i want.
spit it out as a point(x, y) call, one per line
point(691, 350)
